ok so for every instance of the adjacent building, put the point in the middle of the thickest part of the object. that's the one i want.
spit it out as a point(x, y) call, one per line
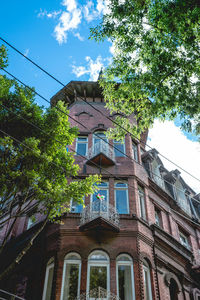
point(138, 239)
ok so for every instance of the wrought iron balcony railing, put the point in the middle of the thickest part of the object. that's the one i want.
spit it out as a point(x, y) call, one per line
point(102, 152)
point(98, 293)
point(99, 208)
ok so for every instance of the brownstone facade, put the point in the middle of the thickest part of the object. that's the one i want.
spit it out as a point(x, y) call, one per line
point(157, 237)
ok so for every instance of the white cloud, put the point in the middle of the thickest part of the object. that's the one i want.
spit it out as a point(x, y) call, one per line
point(44, 13)
point(68, 21)
point(77, 34)
point(92, 68)
point(91, 13)
point(173, 144)
point(71, 16)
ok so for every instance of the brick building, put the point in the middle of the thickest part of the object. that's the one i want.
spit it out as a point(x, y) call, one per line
point(142, 241)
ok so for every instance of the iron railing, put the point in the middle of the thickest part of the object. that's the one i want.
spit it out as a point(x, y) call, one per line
point(98, 293)
point(101, 147)
point(99, 208)
point(4, 295)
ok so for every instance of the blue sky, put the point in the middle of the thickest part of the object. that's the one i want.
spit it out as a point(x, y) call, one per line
point(55, 35)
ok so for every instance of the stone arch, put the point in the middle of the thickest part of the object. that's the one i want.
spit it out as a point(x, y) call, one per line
point(145, 256)
point(168, 278)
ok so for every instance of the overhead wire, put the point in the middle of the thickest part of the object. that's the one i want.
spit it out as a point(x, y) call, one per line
point(130, 186)
point(91, 131)
point(113, 121)
point(114, 176)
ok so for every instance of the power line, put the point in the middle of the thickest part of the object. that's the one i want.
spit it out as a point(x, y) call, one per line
point(95, 164)
point(81, 124)
point(113, 121)
point(87, 129)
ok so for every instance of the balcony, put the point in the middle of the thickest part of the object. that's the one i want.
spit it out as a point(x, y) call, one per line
point(101, 153)
point(99, 216)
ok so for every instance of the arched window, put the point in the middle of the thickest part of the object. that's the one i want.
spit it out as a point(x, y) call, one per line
point(147, 281)
point(48, 280)
point(71, 276)
point(98, 271)
point(125, 278)
point(99, 136)
point(173, 289)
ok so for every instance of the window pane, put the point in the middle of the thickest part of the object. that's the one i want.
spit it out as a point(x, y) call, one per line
point(101, 135)
point(81, 148)
point(142, 203)
point(135, 152)
point(71, 281)
point(125, 283)
point(147, 283)
point(82, 139)
point(99, 257)
point(49, 283)
point(96, 203)
point(121, 201)
point(119, 148)
point(121, 184)
point(98, 277)
point(76, 208)
point(123, 258)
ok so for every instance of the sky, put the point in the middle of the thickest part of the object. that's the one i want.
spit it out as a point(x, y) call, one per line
point(55, 34)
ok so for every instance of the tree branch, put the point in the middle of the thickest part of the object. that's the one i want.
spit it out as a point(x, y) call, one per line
point(24, 251)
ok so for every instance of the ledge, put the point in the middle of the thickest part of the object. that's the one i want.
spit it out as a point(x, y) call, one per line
point(99, 224)
point(170, 241)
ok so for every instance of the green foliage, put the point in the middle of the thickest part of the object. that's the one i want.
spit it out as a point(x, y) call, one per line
point(35, 168)
point(156, 61)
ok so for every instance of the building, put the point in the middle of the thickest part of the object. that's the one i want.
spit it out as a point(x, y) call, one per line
point(140, 241)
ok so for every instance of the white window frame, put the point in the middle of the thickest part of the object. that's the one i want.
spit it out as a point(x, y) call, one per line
point(146, 268)
point(143, 212)
point(127, 197)
point(134, 144)
point(105, 188)
point(125, 263)
point(82, 142)
point(187, 244)
point(95, 136)
point(158, 217)
point(49, 266)
point(124, 148)
point(30, 222)
point(71, 206)
point(74, 262)
point(98, 264)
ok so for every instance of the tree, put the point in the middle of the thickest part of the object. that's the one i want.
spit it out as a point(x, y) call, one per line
point(37, 174)
point(156, 61)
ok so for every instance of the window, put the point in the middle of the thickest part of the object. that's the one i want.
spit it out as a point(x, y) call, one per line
point(135, 151)
point(142, 202)
point(184, 239)
point(99, 136)
point(48, 280)
point(147, 281)
point(71, 277)
point(98, 205)
point(173, 290)
point(31, 221)
point(119, 148)
point(76, 207)
point(82, 145)
point(121, 198)
point(125, 278)
point(98, 271)
point(158, 219)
